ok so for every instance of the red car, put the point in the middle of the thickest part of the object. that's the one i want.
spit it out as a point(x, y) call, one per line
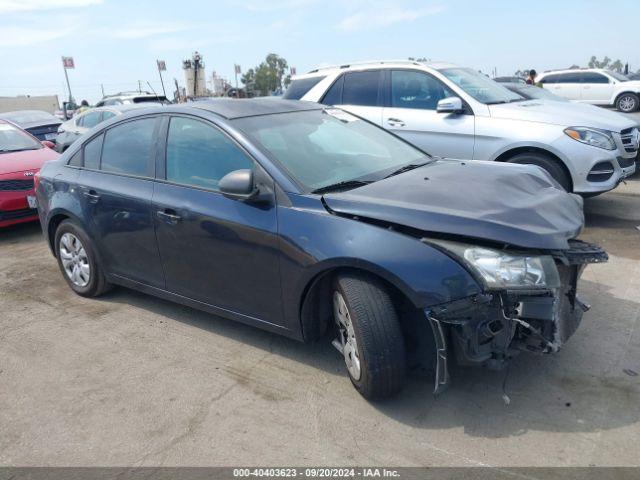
point(21, 156)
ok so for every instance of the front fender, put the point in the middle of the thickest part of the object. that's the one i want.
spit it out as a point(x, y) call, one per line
point(314, 242)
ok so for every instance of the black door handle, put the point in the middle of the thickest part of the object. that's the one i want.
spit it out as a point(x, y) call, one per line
point(169, 216)
point(92, 195)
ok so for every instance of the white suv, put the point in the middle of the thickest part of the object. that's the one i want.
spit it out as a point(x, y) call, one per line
point(595, 86)
point(458, 113)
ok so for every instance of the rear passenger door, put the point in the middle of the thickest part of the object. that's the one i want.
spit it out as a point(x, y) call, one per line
point(359, 93)
point(116, 189)
point(566, 85)
point(595, 88)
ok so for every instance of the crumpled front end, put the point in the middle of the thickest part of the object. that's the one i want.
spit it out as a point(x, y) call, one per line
point(490, 328)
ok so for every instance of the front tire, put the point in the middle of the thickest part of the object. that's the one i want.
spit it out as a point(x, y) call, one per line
point(370, 334)
point(628, 102)
point(78, 262)
point(547, 163)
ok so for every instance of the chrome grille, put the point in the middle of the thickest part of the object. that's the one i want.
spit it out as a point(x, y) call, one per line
point(16, 185)
point(629, 137)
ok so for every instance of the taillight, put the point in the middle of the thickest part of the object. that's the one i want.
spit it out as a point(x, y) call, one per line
point(36, 180)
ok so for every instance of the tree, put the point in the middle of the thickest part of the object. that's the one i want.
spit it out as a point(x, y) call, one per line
point(269, 76)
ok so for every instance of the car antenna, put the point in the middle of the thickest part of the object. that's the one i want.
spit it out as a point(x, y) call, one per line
point(153, 90)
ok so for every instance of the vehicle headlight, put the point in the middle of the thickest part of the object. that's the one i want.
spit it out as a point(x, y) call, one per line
point(500, 270)
point(593, 137)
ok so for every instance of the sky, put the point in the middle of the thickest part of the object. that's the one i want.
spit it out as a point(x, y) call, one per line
point(116, 43)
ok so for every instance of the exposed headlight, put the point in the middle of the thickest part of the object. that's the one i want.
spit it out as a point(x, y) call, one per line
point(500, 270)
point(590, 136)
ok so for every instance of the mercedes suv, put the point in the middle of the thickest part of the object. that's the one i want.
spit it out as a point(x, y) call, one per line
point(459, 113)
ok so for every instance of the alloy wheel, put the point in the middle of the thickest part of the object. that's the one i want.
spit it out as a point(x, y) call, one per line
point(74, 260)
point(347, 335)
point(627, 103)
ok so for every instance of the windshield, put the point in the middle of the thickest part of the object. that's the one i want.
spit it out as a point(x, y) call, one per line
point(529, 91)
point(618, 76)
point(480, 87)
point(326, 147)
point(29, 116)
point(13, 139)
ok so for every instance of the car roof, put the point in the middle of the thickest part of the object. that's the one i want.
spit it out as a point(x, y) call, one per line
point(232, 108)
point(386, 64)
point(573, 70)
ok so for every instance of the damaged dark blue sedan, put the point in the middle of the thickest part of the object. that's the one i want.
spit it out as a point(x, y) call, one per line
point(313, 223)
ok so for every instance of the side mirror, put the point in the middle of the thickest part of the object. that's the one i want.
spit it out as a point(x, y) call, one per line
point(238, 184)
point(48, 144)
point(450, 105)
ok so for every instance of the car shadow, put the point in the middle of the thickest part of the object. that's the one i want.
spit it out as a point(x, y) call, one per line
point(576, 390)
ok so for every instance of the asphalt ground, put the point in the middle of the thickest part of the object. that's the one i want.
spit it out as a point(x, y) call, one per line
point(131, 380)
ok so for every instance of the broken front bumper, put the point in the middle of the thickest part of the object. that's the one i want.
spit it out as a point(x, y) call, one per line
point(490, 328)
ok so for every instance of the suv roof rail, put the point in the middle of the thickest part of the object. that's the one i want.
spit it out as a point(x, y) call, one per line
point(370, 62)
point(128, 93)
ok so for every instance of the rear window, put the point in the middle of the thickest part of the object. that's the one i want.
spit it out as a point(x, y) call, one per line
point(92, 153)
point(299, 88)
point(361, 88)
point(128, 148)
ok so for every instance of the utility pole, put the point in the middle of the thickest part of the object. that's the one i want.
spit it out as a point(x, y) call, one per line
point(102, 88)
point(139, 87)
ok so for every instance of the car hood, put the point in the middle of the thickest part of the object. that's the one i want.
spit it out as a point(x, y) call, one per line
point(567, 114)
point(11, 162)
point(513, 204)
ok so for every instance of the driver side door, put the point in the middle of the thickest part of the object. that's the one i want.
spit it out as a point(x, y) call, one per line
point(411, 113)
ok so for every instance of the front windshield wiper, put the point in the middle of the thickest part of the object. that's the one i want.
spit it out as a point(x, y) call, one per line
point(346, 185)
point(406, 168)
point(7, 150)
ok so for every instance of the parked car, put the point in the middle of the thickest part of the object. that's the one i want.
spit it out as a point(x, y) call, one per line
point(531, 92)
point(127, 98)
point(71, 130)
point(38, 123)
point(296, 218)
point(457, 112)
point(21, 156)
point(595, 86)
point(518, 80)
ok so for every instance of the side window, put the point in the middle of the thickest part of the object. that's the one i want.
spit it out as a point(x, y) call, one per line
point(593, 77)
point(80, 121)
point(411, 89)
point(299, 88)
point(106, 115)
point(361, 88)
point(334, 95)
point(549, 79)
point(199, 154)
point(91, 119)
point(92, 151)
point(568, 78)
point(128, 148)
point(76, 159)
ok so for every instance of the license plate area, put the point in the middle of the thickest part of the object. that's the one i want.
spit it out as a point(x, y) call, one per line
point(32, 201)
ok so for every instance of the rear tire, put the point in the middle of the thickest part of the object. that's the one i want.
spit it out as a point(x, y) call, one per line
point(547, 163)
point(78, 262)
point(628, 102)
point(377, 340)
